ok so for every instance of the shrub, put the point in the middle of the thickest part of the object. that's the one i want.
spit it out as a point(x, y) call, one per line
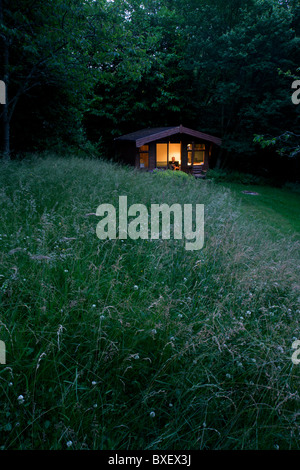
point(227, 176)
point(171, 174)
point(295, 187)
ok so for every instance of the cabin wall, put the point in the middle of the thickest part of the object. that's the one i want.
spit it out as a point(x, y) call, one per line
point(127, 152)
point(205, 165)
point(152, 155)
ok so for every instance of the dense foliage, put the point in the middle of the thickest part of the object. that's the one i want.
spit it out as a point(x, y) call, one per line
point(86, 71)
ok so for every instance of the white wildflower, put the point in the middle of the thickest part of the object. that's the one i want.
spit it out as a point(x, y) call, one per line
point(21, 399)
point(152, 414)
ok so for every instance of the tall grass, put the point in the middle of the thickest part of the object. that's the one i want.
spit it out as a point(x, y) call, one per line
point(141, 344)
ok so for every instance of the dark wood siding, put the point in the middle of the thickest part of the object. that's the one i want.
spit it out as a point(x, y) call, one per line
point(152, 155)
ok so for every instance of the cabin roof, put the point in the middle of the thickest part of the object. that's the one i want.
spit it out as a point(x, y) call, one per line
point(144, 136)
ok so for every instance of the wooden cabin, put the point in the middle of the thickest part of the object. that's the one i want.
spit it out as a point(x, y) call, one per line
point(168, 147)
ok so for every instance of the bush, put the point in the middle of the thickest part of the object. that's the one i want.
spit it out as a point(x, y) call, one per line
point(226, 176)
point(171, 174)
point(295, 187)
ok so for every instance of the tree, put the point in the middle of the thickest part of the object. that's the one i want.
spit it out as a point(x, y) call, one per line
point(141, 83)
point(45, 43)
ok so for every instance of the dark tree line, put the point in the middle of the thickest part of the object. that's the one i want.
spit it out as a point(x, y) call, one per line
point(79, 73)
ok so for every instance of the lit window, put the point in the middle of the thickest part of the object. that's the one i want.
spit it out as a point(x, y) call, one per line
point(199, 150)
point(161, 155)
point(144, 156)
point(175, 152)
point(195, 154)
point(190, 154)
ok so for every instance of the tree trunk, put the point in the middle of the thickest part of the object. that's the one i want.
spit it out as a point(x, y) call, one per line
point(219, 159)
point(5, 114)
point(220, 153)
point(6, 119)
point(6, 133)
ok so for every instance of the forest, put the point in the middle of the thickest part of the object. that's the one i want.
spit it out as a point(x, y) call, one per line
point(79, 73)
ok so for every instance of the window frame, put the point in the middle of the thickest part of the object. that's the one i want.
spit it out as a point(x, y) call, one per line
point(141, 153)
point(192, 153)
point(168, 153)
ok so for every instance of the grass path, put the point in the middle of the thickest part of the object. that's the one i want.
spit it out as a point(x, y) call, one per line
point(277, 208)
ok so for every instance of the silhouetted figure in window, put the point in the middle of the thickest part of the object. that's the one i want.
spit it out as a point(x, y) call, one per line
point(173, 164)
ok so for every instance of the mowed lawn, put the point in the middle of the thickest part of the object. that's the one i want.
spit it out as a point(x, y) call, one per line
point(279, 208)
point(140, 344)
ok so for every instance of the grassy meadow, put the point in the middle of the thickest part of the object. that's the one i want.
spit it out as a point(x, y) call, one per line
point(140, 344)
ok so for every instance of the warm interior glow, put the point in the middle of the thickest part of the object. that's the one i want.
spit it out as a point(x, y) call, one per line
point(144, 156)
point(144, 160)
point(199, 153)
point(199, 150)
point(189, 154)
point(175, 151)
point(161, 155)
